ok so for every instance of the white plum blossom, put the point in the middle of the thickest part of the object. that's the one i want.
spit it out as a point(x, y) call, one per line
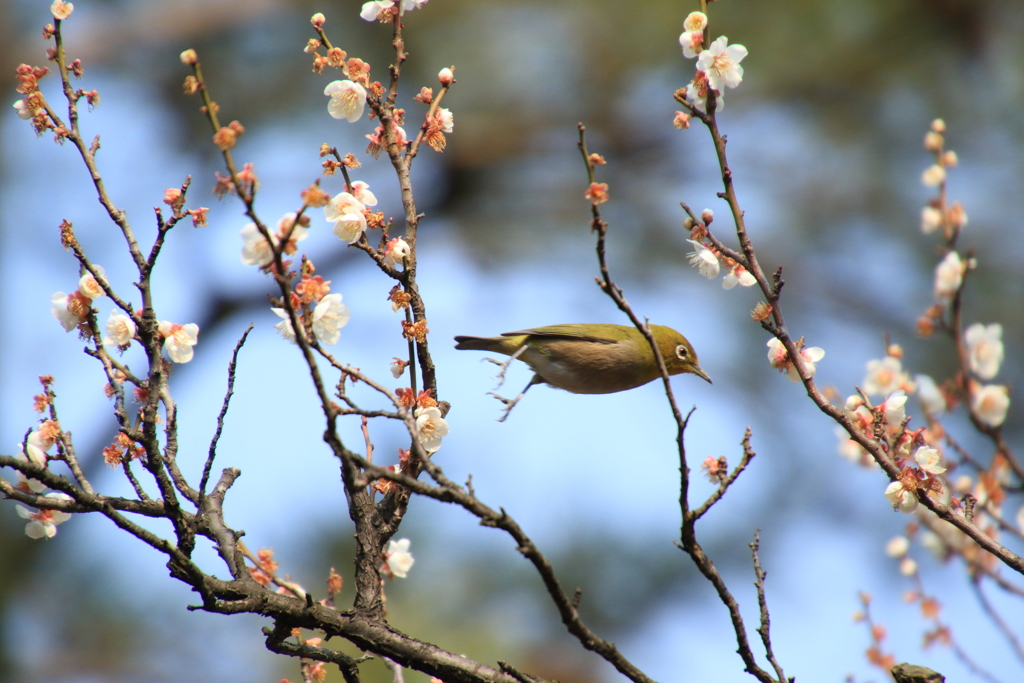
point(43, 523)
point(349, 227)
point(884, 376)
point(344, 203)
point(859, 413)
point(120, 330)
point(695, 21)
point(447, 119)
point(704, 259)
point(59, 309)
point(285, 326)
point(70, 309)
point(430, 427)
point(396, 251)
point(897, 547)
point(35, 448)
point(853, 403)
point(286, 225)
point(398, 558)
point(692, 43)
point(931, 219)
point(908, 567)
point(329, 316)
point(949, 275)
point(990, 403)
point(692, 37)
point(24, 112)
point(697, 94)
point(348, 100)
point(933, 400)
point(372, 9)
point(25, 483)
point(347, 214)
point(738, 275)
point(929, 460)
point(378, 138)
point(88, 285)
point(902, 499)
point(409, 5)
point(933, 176)
point(721, 63)
point(811, 356)
point(257, 251)
point(778, 357)
point(893, 410)
point(179, 340)
point(984, 349)
point(61, 10)
point(361, 192)
point(43, 440)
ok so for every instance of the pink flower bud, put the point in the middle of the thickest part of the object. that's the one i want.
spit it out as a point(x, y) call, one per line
point(446, 77)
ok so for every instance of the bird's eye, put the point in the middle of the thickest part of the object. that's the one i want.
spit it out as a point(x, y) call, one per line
point(682, 353)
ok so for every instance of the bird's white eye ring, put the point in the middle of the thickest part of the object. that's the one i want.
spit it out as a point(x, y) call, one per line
point(682, 353)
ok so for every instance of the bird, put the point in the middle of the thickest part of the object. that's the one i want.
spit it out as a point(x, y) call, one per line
point(589, 358)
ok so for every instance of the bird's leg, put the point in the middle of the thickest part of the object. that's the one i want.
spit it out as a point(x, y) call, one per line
point(504, 365)
point(511, 403)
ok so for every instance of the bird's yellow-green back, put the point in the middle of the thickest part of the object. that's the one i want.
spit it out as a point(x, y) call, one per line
point(592, 358)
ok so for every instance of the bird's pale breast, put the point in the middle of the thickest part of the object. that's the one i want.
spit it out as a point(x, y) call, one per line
point(583, 367)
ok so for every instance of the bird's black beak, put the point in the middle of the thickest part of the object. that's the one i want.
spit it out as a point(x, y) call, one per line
point(699, 371)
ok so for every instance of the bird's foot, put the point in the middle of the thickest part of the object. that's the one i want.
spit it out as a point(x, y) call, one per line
point(503, 365)
point(510, 403)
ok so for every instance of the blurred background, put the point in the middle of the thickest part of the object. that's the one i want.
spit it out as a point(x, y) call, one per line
point(825, 143)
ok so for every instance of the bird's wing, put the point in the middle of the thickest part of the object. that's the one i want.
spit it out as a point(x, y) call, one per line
point(563, 332)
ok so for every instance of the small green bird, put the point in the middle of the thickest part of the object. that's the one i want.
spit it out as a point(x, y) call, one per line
point(587, 358)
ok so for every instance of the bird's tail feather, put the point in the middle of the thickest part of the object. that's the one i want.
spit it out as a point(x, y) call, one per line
point(505, 345)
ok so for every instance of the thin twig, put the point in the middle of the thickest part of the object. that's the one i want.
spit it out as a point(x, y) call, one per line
point(223, 413)
point(748, 455)
point(764, 630)
point(366, 437)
